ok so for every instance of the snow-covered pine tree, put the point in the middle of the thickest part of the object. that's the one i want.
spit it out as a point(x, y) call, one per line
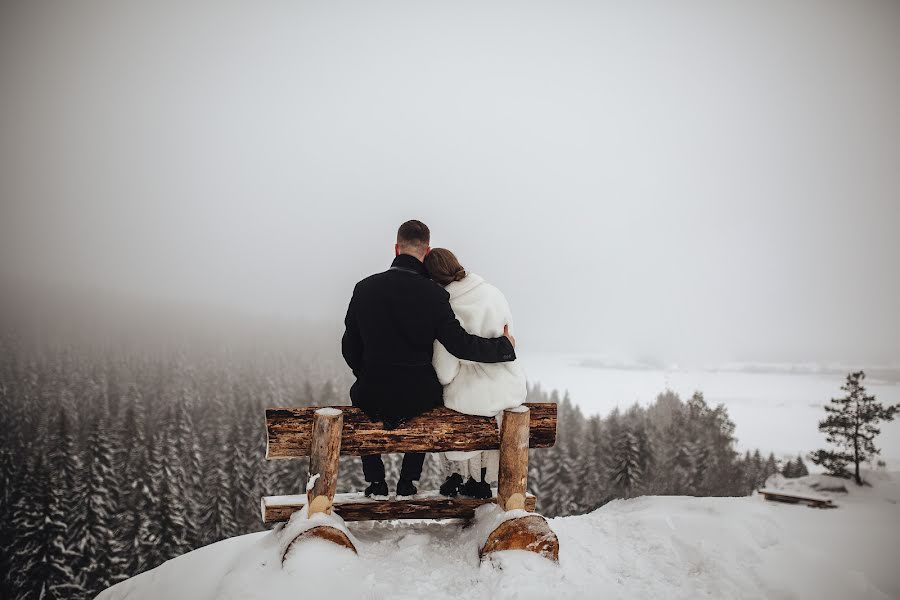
point(770, 468)
point(646, 450)
point(45, 560)
point(851, 425)
point(252, 472)
point(169, 520)
point(66, 465)
point(682, 468)
point(132, 428)
point(133, 461)
point(570, 456)
point(788, 470)
point(188, 452)
point(10, 472)
point(590, 475)
point(136, 532)
point(759, 470)
point(747, 475)
point(698, 480)
point(91, 531)
point(555, 475)
point(217, 522)
point(800, 469)
point(626, 472)
point(238, 470)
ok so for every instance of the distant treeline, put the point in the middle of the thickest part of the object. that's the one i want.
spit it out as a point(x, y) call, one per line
point(113, 461)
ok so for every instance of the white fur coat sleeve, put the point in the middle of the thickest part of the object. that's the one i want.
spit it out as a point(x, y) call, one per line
point(445, 364)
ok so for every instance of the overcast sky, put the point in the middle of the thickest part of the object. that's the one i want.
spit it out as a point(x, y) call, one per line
point(691, 181)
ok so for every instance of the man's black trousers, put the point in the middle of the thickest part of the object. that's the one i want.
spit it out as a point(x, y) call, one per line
point(373, 466)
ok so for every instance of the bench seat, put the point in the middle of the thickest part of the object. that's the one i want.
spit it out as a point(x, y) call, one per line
point(289, 432)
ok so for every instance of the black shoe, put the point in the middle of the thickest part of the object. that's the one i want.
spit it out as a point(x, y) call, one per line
point(377, 488)
point(452, 486)
point(476, 489)
point(405, 487)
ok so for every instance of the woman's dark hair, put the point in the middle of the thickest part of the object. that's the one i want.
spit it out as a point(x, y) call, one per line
point(443, 266)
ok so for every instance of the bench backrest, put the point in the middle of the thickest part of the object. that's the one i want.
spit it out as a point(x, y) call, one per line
point(289, 432)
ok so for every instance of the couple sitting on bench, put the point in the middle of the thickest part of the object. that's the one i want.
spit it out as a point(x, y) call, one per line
point(409, 341)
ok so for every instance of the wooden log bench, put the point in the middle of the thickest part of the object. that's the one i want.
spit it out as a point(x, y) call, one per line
point(323, 434)
point(791, 498)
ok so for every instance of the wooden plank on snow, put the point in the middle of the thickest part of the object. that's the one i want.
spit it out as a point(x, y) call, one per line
point(356, 507)
point(792, 498)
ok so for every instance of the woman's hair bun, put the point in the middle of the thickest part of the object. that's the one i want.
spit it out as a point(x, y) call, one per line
point(443, 266)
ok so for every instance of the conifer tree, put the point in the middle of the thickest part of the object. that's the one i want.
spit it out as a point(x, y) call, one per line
point(45, 561)
point(218, 516)
point(851, 425)
point(169, 517)
point(626, 473)
point(237, 470)
point(187, 450)
point(65, 462)
point(800, 469)
point(91, 532)
point(788, 469)
point(138, 534)
point(590, 474)
point(770, 468)
point(682, 468)
point(759, 469)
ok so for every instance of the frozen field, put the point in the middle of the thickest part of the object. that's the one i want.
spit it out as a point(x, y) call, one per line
point(773, 411)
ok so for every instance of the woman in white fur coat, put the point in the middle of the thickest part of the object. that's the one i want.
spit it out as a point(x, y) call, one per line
point(469, 387)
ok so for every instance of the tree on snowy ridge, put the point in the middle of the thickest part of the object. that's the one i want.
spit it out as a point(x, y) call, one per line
point(850, 424)
point(626, 471)
point(793, 469)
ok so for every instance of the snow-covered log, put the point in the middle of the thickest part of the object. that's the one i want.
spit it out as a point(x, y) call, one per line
point(289, 432)
point(529, 532)
point(322, 532)
point(323, 459)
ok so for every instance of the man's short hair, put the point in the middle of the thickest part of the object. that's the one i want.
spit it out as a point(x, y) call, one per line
point(414, 233)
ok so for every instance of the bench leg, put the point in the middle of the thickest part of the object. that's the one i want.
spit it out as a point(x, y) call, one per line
point(323, 469)
point(323, 459)
point(529, 532)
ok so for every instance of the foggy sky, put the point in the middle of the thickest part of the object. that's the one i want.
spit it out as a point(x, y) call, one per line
point(698, 181)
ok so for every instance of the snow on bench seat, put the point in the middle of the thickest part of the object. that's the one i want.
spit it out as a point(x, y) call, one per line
point(356, 507)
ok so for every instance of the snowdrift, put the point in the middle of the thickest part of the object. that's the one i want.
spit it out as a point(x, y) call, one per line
point(649, 547)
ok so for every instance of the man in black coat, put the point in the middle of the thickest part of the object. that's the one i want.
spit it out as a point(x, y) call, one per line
point(392, 322)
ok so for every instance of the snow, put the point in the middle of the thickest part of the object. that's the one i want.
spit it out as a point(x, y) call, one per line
point(649, 547)
point(312, 482)
point(328, 411)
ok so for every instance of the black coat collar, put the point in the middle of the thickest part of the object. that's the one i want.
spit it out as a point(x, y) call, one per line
point(405, 262)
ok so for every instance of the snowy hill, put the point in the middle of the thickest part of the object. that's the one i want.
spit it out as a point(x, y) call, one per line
point(650, 547)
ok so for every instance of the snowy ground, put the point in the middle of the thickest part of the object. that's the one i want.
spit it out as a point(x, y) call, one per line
point(652, 547)
point(776, 408)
